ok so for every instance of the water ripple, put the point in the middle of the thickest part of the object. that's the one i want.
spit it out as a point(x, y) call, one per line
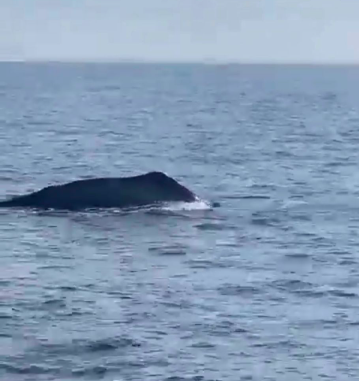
point(263, 287)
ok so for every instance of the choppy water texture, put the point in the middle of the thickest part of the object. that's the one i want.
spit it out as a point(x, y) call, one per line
point(264, 288)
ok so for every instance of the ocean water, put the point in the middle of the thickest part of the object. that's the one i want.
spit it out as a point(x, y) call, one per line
point(266, 287)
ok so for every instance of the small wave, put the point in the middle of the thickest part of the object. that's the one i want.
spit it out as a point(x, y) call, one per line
point(31, 369)
point(92, 371)
point(88, 346)
point(234, 290)
point(211, 226)
point(248, 197)
point(264, 221)
point(292, 284)
point(169, 250)
point(342, 293)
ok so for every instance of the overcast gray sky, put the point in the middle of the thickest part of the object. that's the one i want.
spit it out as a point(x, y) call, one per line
point(180, 30)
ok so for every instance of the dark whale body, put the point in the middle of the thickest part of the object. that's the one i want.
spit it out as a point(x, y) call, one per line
point(152, 188)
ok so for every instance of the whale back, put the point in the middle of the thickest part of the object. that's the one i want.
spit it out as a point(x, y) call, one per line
point(163, 187)
point(147, 189)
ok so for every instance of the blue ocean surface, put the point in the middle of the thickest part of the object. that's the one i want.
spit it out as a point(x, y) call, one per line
point(266, 287)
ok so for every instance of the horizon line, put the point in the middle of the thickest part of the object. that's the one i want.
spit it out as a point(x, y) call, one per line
point(209, 62)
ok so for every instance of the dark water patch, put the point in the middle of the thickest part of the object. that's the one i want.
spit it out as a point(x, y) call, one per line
point(228, 325)
point(301, 216)
point(68, 288)
point(264, 187)
point(230, 317)
point(111, 344)
point(298, 287)
point(220, 328)
point(284, 154)
point(319, 323)
point(339, 163)
point(292, 284)
point(329, 96)
point(297, 256)
point(239, 290)
point(203, 345)
point(343, 294)
point(179, 378)
point(310, 293)
point(248, 197)
point(348, 262)
point(307, 234)
point(91, 371)
point(218, 263)
point(11, 179)
point(120, 294)
point(54, 303)
point(54, 267)
point(169, 250)
point(210, 226)
point(78, 347)
point(90, 286)
point(280, 344)
point(180, 304)
point(157, 334)
point(39, 123)
point(265, 219)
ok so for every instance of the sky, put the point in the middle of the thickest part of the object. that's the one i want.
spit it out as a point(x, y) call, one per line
point(269, 31)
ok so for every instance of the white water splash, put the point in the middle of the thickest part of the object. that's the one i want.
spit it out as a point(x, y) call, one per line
point(174, 206)
point(195, 205)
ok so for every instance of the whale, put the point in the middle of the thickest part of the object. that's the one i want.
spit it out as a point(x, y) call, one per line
point(149, 189)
